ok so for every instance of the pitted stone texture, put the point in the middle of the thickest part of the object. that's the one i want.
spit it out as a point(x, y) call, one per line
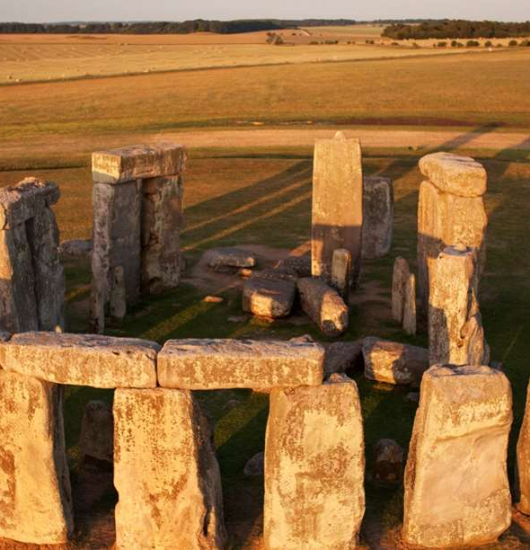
point(18, 305)
point(456, 335)
point(324, 306)
point(83, 360)
point(220, 364)
point(378, 217)
point(43, 237)
point(337, 217)
point(118, 296)
point(394, 363)
point(456, 484)
point(400, 277)
point(409, 305)
point(522, 495)
point(341, 272)
point(314, 467)
point(300, 264)
point(231, 257)
point(274, 274)
point(268, 298)
point(343, 357)
point(389, 462)
point(461, 176)
point(19, 203)
point(138, 162)
point(35, 498)
point(162, 219)
point(166, 473)
point(445, 220)
point(97, 432)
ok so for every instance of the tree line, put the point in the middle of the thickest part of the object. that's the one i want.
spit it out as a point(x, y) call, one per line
point(457, 28)
point(165, 27)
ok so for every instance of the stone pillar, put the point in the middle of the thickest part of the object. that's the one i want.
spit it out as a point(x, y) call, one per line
point(409, 305)
point(162, 219)
point(400, 277)
point(450, 212)
point(522, 481)
point(456, 335)
point(378, 217)
point(341, 272)
point(314, 467)
point(456, 483)
point(165, 472)
point(137, 204)
point(337, 217)
point(31, 276)
point(35, 499)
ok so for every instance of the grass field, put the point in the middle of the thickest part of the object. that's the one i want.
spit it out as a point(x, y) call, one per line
point(254, 193)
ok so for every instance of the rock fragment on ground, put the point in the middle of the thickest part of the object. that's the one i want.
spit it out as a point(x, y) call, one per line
point(268, 298)
point(229, 260)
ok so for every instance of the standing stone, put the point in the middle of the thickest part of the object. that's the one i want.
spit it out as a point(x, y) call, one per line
point(378, 217)
point(389, 462)
point(35, 499)
point(456, 335)
point(400, 277)
point(118, 297)
point(523, 462)
point(456, 483)
point(341, 272)
point(314, 467)
point(162, 219)
point(451, 211)
point(97, 432)
point(337, 217)
point(165, 472)
point(268, 298)
point(409, 305)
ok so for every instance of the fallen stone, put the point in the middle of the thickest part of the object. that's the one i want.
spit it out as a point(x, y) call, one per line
point(245, 272)
point(162, 219)
point(255, 466)
point(301, 265)
point(97, 432)
point(343, 357)
point(166, 473)
point(22, 202)
point(389, 462)
point(401, 275)
point(223, 364)
point(83, 360)
point(341, 272)
point(138, 162)
point(314, 467)
point(409, 305)
point(324, 306)
point(213, 299)
point(394, 363)
point(35, 495)
point(337, 214)
point(456, 483)
point(268, 298)
point(219, 258)
point(274, 274)
point(378, 217)
point(78, 248)
point(461, 176)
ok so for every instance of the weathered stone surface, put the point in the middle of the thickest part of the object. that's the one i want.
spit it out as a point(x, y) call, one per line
point(342, 357)
point(118, 295)
point(389, 462)
point(18, 303)
point(116, 240)
point(378, 217)
point(219, 258)
point(35, 499)
point(166, 473)
point(162, 219)
point(324, 306)
point(19, 203)
point(300, 264)
point(77, 247)
point(337, 217)
point(272, 274)
point(138, 162)
point(83, 360)
point(268, 298)
point(400, 277)
point(445, 220)
point(217, 364)
point(455, 327)
point(394, 363)
point(409, 305)
point(314, 467)
point(522, 480)
point(461, 176)
point(43, 237)
point(456, 484)
point(97, 432)
point(341, 272)
point(255, 466)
